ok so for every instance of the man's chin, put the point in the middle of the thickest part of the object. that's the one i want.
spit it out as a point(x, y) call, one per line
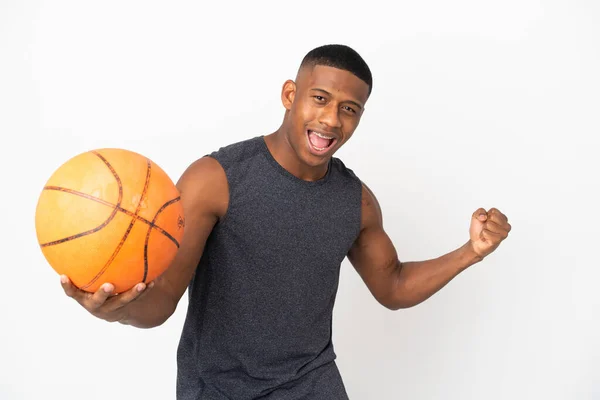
point(314, 161)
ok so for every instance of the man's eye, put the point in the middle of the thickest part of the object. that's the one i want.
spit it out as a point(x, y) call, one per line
point(350, 109)
point(319, 98)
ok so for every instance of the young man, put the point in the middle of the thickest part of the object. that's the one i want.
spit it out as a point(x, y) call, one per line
point(268, 222)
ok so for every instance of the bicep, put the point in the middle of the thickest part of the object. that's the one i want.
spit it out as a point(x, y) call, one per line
point(204, 197)
point(373, 254)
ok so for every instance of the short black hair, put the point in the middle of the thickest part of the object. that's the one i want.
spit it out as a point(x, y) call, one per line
point(342, 57)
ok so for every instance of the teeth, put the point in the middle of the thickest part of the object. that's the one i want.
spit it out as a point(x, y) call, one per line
point(322, 136)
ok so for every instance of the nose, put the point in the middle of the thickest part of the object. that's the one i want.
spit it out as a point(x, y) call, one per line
point(329, 116)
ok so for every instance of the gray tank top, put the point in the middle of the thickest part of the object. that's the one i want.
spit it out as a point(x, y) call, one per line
point(259, 319)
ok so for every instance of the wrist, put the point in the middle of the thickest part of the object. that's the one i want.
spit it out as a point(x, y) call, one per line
point(469, 255)
point(123, 317)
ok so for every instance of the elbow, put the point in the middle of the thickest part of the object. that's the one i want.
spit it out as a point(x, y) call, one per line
point(397, 291)
point(393, 307)
point(399, 300)
point(400, 296)
point(148, 319)
point(160, 319)
point(398, 304)
point(154, 323)
point(146, 323)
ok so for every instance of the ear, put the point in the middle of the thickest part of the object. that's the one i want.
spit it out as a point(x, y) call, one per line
point(288, 93)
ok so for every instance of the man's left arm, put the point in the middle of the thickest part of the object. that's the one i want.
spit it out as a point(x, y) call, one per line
point(397, 284)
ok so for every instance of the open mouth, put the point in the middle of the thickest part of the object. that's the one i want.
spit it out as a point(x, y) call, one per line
point(320, 143)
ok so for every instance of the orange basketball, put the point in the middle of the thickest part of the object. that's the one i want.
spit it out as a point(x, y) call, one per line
point(109, 215)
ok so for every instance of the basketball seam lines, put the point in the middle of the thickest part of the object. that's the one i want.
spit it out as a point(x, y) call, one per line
point(116, 208)
point(168, 203)
point(111, 216)
point(81, 234)
point(106, 203)
point(122, 242)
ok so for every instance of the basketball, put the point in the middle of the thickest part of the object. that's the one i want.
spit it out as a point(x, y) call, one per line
point(109, 215)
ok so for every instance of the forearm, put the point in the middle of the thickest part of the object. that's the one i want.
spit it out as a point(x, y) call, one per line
point(416, 281)
point(160, 300)
point(150, 311)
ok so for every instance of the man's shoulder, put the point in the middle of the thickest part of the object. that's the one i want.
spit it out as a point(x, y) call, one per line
point(238, 151)
point(240, 145)
point(341, 168)
point(215, 161)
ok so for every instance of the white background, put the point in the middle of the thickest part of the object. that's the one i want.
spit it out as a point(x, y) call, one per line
point(475, 104)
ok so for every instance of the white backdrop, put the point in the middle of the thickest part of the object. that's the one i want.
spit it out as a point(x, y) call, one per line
point(475, 104)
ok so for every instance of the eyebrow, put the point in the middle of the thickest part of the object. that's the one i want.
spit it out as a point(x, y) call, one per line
point(346, 101)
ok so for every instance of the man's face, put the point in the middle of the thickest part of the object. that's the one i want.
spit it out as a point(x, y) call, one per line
point(325, 106)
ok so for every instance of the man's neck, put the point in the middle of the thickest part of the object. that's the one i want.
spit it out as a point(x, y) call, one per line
point(284, 154)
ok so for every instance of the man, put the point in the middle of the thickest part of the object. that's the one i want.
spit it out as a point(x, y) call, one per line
point(268, 222)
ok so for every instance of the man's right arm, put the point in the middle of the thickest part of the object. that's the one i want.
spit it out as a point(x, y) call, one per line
point(204, 197)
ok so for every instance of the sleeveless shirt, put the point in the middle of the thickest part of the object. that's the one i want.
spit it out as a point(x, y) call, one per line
point(259, 319)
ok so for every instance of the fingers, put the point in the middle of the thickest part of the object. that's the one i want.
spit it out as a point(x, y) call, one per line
point(71, 290)
point(127, 297)
point(104, 299)
point(494, 215)
point(497, 216)
point(96, 300)
point(495, 228)
point(480, 214)
point(90, 301)
point(500, 219)
point(488, 236)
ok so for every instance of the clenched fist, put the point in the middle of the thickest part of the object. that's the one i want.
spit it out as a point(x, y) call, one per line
point(488, 229)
